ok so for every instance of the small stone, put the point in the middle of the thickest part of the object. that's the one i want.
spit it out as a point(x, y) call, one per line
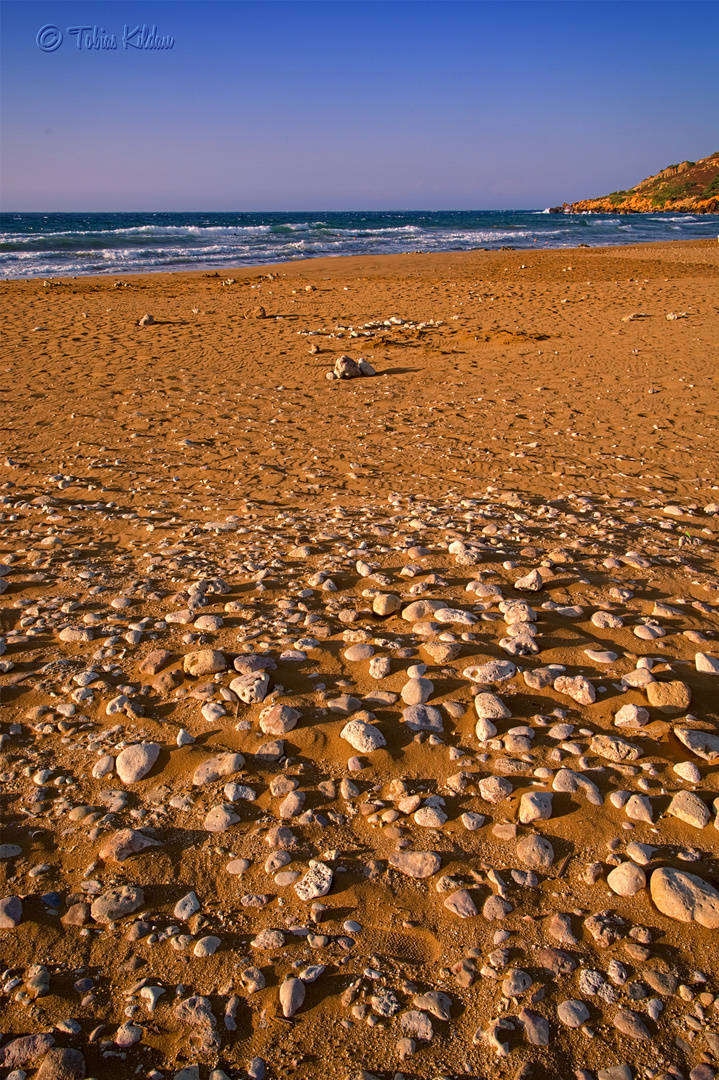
point(490, 707)
point(685, 897)
point(155, 661)
point(630, 1023)
point(434, 1002)
point(76, 915)
point(601, 656)
point(632, 716)
point(292, 996)
point(206, 946)
point(708, 665)
point(461, 903)
point(536, 852)
point(205, 662)
point(186, 907)
point(535, 806)
point(251, 688)
point(539, 678)
point(127, 1035)
point(197, 1012)
point(216, 768)
point(405, 1048)
point(689, 808)
point(292, 804)
point(688, 771)
point(386, 604)
point(663, 982)
point(670, 698)
point(536, 1028)
point(379, 667)
point(417, 1025)
point(612, 748)
point(639, 808)
point(430, 817)
point(569, 781)
point(415, 864)
point(516, 982)
point(124, 843)
point(384, 1003)
point(423, 718)
point(358, 652)
point(627, 879)
point(495, 789)
point(219, 818)
point(316, 882)
point(577, 688)
point(10, 912)
point(614, 1072)
point(25, 1050)
point(640, 853)
point(484, 730)
point(281, 838)
point(417, 691)
point(556, 961)
point(496, 907)
point(116, 903)
point(62, 1063)
point(702, 743)
point(151, 994)
point(573, 1013)
point(279, 719)
point(441, 652)
point(531, 582)
point(495, 671)
point(133, 763)
point(363, 737)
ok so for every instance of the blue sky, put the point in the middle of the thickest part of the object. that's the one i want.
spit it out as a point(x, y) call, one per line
point(342, 105)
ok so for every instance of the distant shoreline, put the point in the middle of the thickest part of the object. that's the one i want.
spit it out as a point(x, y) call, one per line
point(399, 263)
point(73, 245)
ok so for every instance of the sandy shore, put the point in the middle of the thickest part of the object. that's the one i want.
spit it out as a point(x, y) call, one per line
point(536, 456)
point(532, 348)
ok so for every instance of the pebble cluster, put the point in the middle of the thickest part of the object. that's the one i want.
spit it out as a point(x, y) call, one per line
point(426, 788)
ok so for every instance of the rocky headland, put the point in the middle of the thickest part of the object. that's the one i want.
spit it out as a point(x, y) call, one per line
point(691, 187)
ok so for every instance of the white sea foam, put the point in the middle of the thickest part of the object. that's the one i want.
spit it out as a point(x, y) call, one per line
point(66, 244)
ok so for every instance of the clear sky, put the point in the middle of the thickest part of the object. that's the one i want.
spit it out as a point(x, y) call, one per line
point(353, 105)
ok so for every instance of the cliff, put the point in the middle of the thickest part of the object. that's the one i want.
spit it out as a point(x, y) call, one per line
point(689, 188)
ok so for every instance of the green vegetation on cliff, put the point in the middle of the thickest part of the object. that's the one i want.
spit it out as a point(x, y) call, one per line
point(691, 187)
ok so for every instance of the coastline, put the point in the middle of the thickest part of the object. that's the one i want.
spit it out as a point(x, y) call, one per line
point(56, 245)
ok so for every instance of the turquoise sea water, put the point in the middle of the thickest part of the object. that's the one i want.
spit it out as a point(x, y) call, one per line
point(46, 245)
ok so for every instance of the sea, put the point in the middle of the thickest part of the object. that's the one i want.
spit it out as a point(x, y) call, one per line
point(59, 244)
